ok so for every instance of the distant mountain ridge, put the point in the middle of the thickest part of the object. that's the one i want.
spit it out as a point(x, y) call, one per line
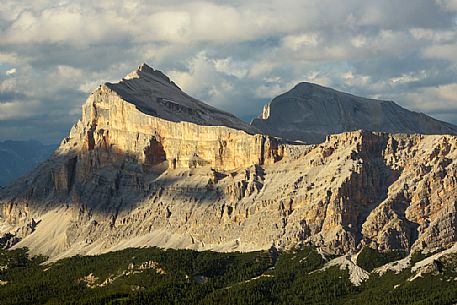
point(19, 157)
point(309, 112)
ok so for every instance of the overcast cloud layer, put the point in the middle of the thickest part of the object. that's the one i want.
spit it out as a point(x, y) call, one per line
point(235, 55)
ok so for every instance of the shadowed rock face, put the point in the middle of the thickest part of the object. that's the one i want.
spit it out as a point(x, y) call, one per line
point(310, 112)
point(127, 178)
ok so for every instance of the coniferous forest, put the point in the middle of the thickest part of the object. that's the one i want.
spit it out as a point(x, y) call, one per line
point(157, 276)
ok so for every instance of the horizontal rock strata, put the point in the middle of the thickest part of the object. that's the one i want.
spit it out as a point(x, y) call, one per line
point(127, 178)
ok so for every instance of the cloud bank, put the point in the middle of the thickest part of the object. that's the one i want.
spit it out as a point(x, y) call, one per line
point(235, 55)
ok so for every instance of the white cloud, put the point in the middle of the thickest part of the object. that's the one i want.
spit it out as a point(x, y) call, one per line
point(168, 25)
point(408, 78)
point(319, 78)
point(447, 93)
point(232, 54)
point(68, 71)
point(229, 67)
point(8, 84)
point(352, 79)
point(359, 41)
point(89, 86)
point(52, 25)
point(10, 71)
point(269, 91)
point(19, 109)
point(433, 35)
point(440, 101)
point(211, 79)
point(258, 69)
point(442, 51)
point(450, 5)
point(7, 58)
point(296, 42)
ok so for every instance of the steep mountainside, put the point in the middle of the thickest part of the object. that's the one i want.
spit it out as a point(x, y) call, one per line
point(310, 112)
point(19, 157)
point(128, 176)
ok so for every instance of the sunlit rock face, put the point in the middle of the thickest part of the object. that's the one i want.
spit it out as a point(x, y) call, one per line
point(310, 112)
point(148, 165)
point(147, 116)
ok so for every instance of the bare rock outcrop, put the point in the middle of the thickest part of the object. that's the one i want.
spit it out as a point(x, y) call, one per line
point(129, 176)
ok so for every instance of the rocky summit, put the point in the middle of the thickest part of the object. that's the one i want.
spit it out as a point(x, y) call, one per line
point(310, 112)
point(148, 165)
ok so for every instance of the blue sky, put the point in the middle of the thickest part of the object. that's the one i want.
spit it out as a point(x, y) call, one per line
point(235, 55)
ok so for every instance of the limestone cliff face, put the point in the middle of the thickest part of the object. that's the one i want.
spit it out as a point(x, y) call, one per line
point(138, 124)
point(111, 125)
point(129, 176)
point(130, 134)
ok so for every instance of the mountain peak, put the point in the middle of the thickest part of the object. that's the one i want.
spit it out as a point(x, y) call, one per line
point(308, 85)
point(145, 66)
point(309, 89)
point(155, 94)
point(144, 71)
point(310, 112)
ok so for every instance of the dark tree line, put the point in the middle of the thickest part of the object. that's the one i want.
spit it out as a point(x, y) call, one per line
point(190, 277)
